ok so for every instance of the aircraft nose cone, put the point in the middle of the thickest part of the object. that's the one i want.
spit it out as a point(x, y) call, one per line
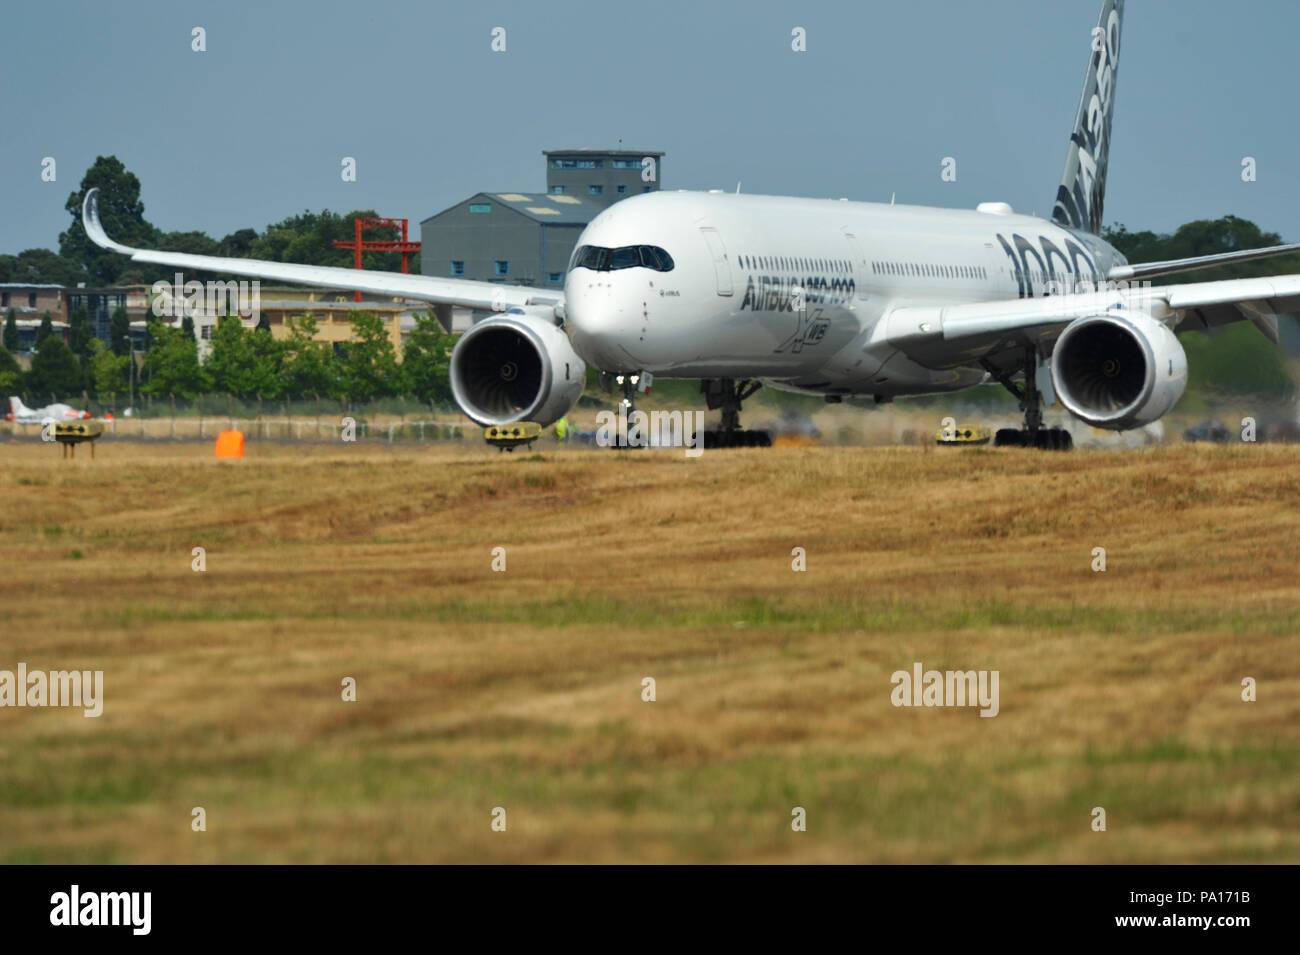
point(598, 324)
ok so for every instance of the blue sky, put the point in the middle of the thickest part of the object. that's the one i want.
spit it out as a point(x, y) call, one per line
point(254, 129)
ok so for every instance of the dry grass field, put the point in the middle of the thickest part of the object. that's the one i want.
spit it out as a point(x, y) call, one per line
point(523, 689)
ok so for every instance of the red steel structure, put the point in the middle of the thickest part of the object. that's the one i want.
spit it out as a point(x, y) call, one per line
point(405, 246)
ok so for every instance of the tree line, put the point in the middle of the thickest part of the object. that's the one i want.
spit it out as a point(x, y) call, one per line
point(244, 361)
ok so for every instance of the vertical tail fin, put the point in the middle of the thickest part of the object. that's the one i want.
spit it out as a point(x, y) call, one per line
point(1083, 186)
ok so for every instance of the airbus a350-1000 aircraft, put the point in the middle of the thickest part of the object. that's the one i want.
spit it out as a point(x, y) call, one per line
point(837, 298)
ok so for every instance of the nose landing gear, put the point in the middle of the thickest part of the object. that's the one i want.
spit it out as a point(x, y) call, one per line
point(628, 385)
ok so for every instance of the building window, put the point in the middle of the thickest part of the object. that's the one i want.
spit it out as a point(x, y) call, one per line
point(457, 268)
point(502, 267)
point(626, 163)
point(31, 300)
point(557, 190)
point(622, 190)
point(577, 163)
point(595, 190)
point(4, 300)
point(555, 278)
point(646, 189)
point(480, 207)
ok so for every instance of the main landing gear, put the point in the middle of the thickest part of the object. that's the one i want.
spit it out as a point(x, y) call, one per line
point(1033, 434)
point(728, 394)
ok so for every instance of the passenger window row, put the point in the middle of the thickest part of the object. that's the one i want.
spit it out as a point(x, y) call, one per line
point(793, 263)
point(929, 270)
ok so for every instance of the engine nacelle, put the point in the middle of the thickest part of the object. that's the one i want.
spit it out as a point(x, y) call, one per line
point(1118, 371)
point(516, 367)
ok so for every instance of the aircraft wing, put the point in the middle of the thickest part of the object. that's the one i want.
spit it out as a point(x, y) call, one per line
point(1150, 269)
point(488, 296)
point(948, 336)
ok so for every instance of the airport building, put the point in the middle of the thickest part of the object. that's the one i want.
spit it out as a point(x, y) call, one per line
point(101, 303)
point(29, 304)
point(281, 306)
point(602, 176)
point(29, 301)
point(526, 238)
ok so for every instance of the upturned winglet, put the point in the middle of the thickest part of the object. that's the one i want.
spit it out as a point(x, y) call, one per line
point(95, 229)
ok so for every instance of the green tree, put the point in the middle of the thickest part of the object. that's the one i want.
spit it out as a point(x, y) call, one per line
point(370, 367)
point(230, 354)
point(1203, 237)
point(120, 332)
point(1236, 360)
point(238, 245)
point(244, 361)
point(309, 238)
point(172, 363)
point(195, 243)
point(79, 334)
point(54, 370)
point(265, 375)
point(12, 340)
point(309, 366)
point(40, 267)
point(11, 377)
point(122, 213)
point(426, 360)
point(106, 373)
point(45, 329)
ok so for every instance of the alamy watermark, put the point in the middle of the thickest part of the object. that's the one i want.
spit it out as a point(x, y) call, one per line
point(181, 299)
point(75, 907)
point(946, 688)
point(657, 429)
point(84, 688)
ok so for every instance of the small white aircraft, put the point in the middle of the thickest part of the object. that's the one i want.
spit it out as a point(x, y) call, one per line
point(19, 413)
point(837, 298)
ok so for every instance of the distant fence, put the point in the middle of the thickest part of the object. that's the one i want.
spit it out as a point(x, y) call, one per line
point(272, 429)
point(388, 420)
point(233, 406)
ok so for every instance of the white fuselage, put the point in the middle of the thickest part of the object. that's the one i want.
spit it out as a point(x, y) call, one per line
point(743, 266)
point(21, 414)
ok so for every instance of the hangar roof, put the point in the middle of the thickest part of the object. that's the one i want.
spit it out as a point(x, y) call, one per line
point(621, 151)
point(538, 206)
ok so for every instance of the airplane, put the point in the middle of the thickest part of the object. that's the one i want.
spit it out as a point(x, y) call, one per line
point(19, 413)
point(837, 299)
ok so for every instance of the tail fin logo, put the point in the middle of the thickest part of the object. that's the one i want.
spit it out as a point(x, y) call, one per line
point(1082, 190)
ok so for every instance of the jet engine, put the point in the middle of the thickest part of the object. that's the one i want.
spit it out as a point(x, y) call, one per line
point(1118, 371)
point(516, 367)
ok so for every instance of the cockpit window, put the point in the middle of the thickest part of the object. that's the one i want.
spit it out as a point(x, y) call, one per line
point(600, 259)
point(653, 257)
point(624, 258)
point(591, 257)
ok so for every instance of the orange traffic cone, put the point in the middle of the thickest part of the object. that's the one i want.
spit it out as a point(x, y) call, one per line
point(230, 444)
